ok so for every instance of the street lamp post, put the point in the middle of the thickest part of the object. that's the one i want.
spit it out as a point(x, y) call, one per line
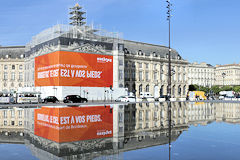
point(223, 75)
point(169, 4)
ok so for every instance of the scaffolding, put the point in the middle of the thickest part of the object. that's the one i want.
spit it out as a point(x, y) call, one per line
point(84, 32)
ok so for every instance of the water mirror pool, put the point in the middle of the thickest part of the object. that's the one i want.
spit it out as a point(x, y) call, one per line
point(176, 131)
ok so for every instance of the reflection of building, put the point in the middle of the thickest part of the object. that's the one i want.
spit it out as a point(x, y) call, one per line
point(228, 74)
point(146, 69)
point(202, 74)
point(228, 112)
point(135, 126)
point(12, 125)
point(201, 113)
point(12, 118)
point(147, 124)
point(89, 149)
point(11, 68)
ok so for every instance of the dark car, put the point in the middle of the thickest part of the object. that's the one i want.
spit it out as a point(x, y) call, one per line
point(74, 99)
point(52, 99)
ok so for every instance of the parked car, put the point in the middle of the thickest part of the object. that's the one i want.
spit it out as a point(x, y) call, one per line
point(74, 99)
point(163, 98)
point(126, 99)
point(52, 99)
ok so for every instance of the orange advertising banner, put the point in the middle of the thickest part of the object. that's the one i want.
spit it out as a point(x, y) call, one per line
point(63, 68)
point(71, 124)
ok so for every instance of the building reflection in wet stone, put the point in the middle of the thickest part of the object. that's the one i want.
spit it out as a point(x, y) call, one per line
point(134, 126)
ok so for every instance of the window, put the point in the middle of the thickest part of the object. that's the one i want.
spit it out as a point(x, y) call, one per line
point(147, 115)
point(20, 76)
point(140, 115)
point(140, 76)
point(140, 65)
point(20, 114)
point(20, 123)
point(4, 114)
point(12, 123)
point(13, 66)
point(133, 64)
point(147, 65)
point(133, 74)
point(140, 89)
point(5, 123)
point(147, 88)
point(120, 117)
point(126, 64)
point(120, 74)
point(12, 114)
point(179, 90)
point(13, 76)
point(147, 75)
point(5, 67)
point(155, 115)
point(20, 67)
point(5, 76)
point(155, 66)
point(126, 74)
point(120, 62)
point(161, 76)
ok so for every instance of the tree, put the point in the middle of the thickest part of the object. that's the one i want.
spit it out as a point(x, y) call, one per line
point(215, 89)
point(236, 89)
point(193, 87)
point(226, 88)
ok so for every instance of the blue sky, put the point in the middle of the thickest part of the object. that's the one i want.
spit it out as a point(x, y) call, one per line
point(202, 30)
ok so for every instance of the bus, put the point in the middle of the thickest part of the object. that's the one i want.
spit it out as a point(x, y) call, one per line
point(29, 97)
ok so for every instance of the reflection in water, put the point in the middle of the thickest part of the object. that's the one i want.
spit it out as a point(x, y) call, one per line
point(133, 126)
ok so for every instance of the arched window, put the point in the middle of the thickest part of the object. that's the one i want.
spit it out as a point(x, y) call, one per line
point(140, 89)
point(147, 88)
point(184, 90)
point(161, 90)
point(179, 90)
point(173, 91)
point(134, 88)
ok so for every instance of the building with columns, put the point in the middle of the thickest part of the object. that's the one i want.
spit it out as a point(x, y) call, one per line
point(146, 70)
point(202, 74)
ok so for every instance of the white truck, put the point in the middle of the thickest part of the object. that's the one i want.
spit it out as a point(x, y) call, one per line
point(226, 95)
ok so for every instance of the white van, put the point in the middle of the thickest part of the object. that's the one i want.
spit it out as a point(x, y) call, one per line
point(147, 95)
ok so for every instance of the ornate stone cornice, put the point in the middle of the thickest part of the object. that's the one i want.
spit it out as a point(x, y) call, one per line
point(88, 48)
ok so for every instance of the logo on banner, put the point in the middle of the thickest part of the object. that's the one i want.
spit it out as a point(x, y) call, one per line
point(103, 60)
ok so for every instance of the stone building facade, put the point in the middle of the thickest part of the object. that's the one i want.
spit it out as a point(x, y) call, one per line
point(228, 74)
point(12, 68)
point(202, 74)
point(146, 70)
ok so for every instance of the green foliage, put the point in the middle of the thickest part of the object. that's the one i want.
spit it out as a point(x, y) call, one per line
point(227, 88)
point(193, 87)
point(236, 89)
point(215, 89)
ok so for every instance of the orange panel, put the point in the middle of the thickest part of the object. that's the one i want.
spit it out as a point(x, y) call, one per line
point(73, 123)
point(63, 68)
